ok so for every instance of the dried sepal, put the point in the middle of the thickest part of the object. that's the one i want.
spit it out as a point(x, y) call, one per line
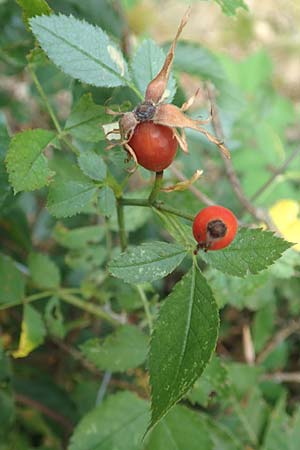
point(156, 88)
point(171, 116)
point(183, 185)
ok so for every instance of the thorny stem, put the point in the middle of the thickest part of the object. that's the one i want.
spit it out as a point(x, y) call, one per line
point(157, 205)
point(121, 224)
point(156, 187)
point(146, 306)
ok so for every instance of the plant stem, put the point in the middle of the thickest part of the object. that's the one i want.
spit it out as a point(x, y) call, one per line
point(121, 223)
point(156, 187)
point(45, 100)
point(175, 211)
point(88, 307)
point(146, 306)
point(276, 173)
point(51, 112)
point(157, 205)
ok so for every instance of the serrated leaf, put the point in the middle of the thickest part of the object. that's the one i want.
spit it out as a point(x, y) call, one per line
point(78, 237)
point(106, 201)
point(26, 165)
point(183, 341)
point(146, 64)
point(182, 428)
point(32, 333)
point(85, 120)
point(44, 272)
point(70, 193)
point(92, 165)
point(12, 282)
point(229, 7)
point(81, 50)
point(147, 262)
point(252, 250)
point(118, 423)
point(34, 8)
point(125, 349)
point(54, 318)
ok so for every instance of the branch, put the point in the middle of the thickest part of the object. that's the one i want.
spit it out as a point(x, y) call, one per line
point(277, 172)
point(258, 214)
point(34, 404)
point(282, 377)
point(279, 337)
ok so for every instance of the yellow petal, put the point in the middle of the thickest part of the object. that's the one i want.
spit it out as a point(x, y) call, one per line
point(292, 234)
point(283, 213)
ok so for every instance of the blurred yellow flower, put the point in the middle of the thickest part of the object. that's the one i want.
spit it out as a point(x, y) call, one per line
point(286, 217)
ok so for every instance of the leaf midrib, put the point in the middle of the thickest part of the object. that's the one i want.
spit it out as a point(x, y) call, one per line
point(148, 262)
point(83, 52)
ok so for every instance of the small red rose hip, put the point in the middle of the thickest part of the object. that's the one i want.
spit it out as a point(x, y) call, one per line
point(214, 227)
point(154, 146)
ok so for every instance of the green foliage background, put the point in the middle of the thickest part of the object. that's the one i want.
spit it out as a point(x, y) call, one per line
point(75, 314)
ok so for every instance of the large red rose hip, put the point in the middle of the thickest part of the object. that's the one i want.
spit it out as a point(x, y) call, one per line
point(154, 146)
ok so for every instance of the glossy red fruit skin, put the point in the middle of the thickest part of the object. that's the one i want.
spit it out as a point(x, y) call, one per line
point(154, 145)
point(207, 216)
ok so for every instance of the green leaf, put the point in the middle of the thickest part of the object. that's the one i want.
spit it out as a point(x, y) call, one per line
point(229, 6)
point(125, 349)
point(33, 8)
point(213, 379)
point(118, 423)
point(54, 318)
point(85, 120)
point(147, 262)
point(70, 193)
point(81, 50)
point(92, 165)
point(146, 64)
point(252, 251)
point(26, 165)
point(182, 428)
point(106, 201)
point(86, 258)
point(222, 438)
point(32, 334)
point(283, 431)
point(183, 341)
point(198, 61)
point(11, 282)
point(44, 272)
point(78, 237)
point(180, 232)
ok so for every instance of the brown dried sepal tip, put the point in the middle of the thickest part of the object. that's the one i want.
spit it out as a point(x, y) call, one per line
point(152, 109)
